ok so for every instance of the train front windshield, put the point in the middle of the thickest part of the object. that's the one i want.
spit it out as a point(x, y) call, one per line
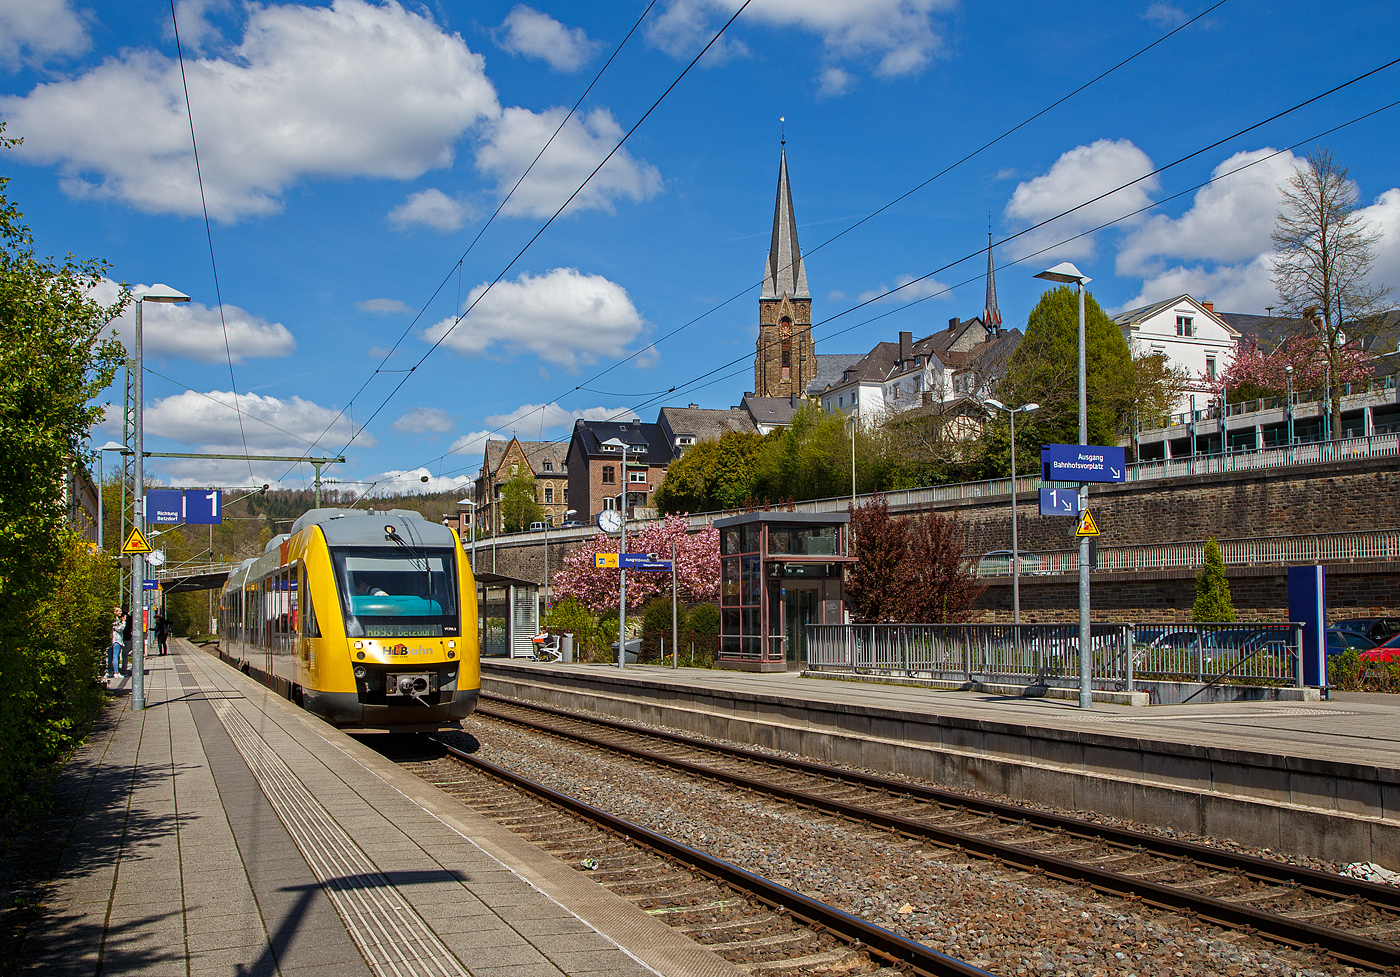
point(411, 593)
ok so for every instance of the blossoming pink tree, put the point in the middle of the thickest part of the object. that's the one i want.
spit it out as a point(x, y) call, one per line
point(1259, 372)
point(697, 567)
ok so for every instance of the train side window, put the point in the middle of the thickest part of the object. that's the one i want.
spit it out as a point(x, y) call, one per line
point(308, 610)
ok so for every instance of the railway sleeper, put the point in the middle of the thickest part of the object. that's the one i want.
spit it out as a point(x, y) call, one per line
point(842, 959)
point(762, 919)
point(769, 942)
point(706, 890)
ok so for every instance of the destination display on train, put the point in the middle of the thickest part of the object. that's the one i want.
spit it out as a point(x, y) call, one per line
point(403, 630)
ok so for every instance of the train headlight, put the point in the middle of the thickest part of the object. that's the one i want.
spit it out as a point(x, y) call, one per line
point(360, 671)
point(359, 644)
point(360, 655)
point(452, 644)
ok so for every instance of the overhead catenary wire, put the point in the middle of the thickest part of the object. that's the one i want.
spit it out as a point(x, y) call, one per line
point(710, 378)
point(208, 229)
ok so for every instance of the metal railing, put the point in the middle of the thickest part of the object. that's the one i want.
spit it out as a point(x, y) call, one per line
point(1048, 654)
point(194, 570)
point(1311, 453)
point(1381, 544)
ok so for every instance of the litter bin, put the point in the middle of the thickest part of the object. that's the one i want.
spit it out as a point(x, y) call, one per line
point(566, 647)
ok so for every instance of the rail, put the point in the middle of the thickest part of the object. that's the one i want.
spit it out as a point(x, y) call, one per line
point(1381, 544)
point(1048, 654)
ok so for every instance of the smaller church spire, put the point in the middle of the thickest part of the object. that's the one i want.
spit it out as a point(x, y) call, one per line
point(785, 273)
point(991, 315)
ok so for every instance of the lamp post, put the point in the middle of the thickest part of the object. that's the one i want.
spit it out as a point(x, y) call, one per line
point(164, 294)
point(1015, 544)
point(621, 570)
point(567, 514)
point(1066, 273)
point(1288, 378)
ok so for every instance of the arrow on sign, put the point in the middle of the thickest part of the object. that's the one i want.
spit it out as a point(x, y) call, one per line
point(1115, 473)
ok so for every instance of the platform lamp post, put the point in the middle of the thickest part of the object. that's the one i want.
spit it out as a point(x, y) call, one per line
point(1288, 378)
point(163, 294)
point(621, 570)
point(1067, 274)
point(1015, 544)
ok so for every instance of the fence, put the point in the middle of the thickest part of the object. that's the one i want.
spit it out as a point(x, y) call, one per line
point(1048, 655)
point(1266, 550)
point(1312, 453)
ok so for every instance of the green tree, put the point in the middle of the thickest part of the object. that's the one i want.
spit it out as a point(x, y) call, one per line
point(1212, 589)
point(1045, 370)
point(54, 359)
point(518, 505)
point(712, 475)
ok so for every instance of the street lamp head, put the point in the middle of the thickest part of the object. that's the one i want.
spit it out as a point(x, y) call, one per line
point(615, 443)
point(1065, 272)
point(466, 502)
point(1288, 370)
point(1030, 407)
point(995, 403)
point(162, 293)
point(112, 446)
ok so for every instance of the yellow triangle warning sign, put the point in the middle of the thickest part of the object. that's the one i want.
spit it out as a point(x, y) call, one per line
point(136, 543)
point(1087, 526)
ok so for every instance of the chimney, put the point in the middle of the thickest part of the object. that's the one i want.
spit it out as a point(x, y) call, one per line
point(793, 400)
point(906, 347)
point(693, 406)
point(953, 323)
point(1208, 306)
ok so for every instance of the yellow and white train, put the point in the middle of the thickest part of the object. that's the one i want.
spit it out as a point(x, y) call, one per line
point(367, 619)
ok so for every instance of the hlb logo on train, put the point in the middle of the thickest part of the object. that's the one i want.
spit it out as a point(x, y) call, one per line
point(398, 650)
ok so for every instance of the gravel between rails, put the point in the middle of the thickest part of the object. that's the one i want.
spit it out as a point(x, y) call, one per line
point(1005, 921)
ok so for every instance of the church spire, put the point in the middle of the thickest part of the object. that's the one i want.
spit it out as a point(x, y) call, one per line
point(785, 273)
point(991, 315)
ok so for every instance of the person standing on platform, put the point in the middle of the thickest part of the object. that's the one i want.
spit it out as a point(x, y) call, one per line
point(125, 668)
point(163, 629)
point(118, 643)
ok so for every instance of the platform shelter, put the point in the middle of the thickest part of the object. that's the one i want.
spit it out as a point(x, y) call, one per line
point(779, 572)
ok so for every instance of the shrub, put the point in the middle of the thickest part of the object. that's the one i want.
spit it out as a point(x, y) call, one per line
point(704, 619)
point(1212, 589)
point(657, 617)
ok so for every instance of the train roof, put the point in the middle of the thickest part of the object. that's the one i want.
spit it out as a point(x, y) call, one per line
point(344, 527)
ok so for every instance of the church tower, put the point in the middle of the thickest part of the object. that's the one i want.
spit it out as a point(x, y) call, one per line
point(784, 360)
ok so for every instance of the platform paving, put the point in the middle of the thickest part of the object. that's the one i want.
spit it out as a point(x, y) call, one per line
point(224, 831)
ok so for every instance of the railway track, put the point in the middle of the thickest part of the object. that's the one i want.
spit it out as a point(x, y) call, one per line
point(1356, 922)
point(761, 927)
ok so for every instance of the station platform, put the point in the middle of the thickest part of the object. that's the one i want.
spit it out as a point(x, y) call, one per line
point(225, 831)
point(1321, 778)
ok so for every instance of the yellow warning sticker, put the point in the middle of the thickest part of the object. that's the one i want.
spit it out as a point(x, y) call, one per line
point(1087, 526)
point(605, 561)
point(136, 543)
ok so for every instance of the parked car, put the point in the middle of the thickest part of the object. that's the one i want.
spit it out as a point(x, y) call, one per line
point(1378, 629)
point(998, 563)
point(571, 524)
point(536, 527)
point(1339, 640)
point(1387, 652)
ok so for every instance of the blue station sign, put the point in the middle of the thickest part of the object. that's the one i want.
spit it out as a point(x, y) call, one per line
point(204, 507)
point(164, 506)
point(198, 507)
point(1059, 502)
point(642, 561)
point(1082, 463)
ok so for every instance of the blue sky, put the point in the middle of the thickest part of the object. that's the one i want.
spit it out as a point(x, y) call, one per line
point(351, 151)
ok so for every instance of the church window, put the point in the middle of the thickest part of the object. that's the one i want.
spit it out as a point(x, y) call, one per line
point(548, 495)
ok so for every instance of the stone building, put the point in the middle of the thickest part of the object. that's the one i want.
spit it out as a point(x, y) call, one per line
point(546, 461)
point(785, 361)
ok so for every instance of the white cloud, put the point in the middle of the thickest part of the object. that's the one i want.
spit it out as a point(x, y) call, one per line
point(516, 138)
point(685, 26)
point(32, 31)
point(554, 416)
point(196, 331)
point(1164, 14)
point(834, 81)
point(535, 35)
point(1228, 221)
point(562, 316)
point(908, 290)
point(1079, 175)
point(354, 89)
point(411, 482)
point(430, 208)
point(897, 34)
point(1384, 216)
point(1245, 287)
point(383, 306)
point(425, 420)
point(473, 443)
point(197, 32)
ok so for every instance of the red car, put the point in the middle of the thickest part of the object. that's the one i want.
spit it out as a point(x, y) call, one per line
point(1388, 652)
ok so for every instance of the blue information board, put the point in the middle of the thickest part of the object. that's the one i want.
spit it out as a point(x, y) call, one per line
point(164, 506)
point(1307, 604)
point(1059, 502)
point(641, 561)
point(1082, 463)
point(204, 507)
